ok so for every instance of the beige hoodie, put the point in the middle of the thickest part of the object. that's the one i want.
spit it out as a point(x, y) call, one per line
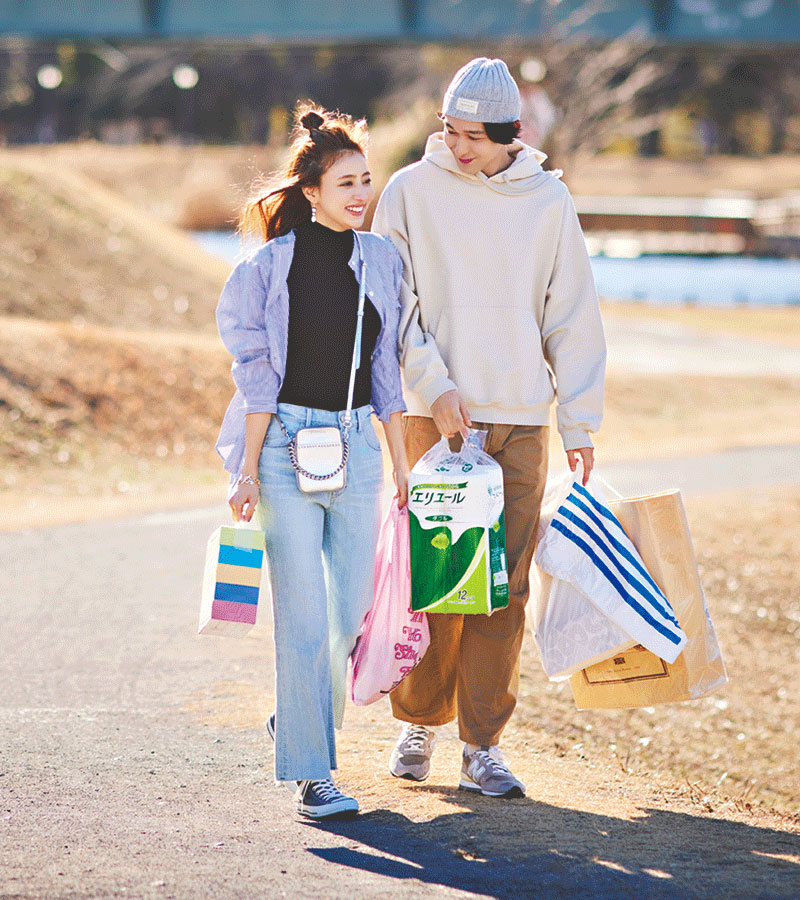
point(498, 293)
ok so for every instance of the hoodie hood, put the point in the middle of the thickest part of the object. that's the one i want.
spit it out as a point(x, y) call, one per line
point(524, 176)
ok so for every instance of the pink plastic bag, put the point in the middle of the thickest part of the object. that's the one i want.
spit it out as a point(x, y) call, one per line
point(393, 638)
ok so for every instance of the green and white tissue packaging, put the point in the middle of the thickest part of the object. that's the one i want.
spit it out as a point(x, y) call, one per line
point(457, 532)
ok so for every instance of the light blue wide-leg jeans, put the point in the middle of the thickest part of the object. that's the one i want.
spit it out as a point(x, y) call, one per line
point(321, 551)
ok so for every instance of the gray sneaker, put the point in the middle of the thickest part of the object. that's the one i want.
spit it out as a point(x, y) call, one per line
point(486, 771)
point(411, 757)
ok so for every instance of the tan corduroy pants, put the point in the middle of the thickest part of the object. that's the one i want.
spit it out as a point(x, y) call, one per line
point(471, 669)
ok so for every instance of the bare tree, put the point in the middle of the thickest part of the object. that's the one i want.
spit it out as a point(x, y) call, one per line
point(598, 91)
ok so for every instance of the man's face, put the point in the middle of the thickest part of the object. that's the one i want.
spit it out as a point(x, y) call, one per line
point(472, 148)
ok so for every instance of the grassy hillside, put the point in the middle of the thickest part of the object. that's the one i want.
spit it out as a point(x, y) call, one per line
point(71, 250)
point(100, 421)
point(112, 377)
point(73, 394)
point(186, 186)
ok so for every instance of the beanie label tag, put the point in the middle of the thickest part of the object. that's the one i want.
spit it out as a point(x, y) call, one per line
point(467, 106)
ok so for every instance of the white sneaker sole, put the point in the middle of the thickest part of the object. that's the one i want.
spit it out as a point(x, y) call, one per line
point(467, 784)
point(340, 808)
point(407, 772)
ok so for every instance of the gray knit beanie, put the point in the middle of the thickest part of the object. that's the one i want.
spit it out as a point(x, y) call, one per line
point(483, 91)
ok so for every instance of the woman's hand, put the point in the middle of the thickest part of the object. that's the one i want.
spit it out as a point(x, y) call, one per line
point(243, 502)
point(244, 499)
point(400, 477)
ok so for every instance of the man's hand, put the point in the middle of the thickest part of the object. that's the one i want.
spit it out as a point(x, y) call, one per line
point(400, 477)
point(586, 454)
point(450, 415)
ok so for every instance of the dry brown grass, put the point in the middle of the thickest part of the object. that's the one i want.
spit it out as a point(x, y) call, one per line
point(779, 325)
point(72, 250)
point(92, 413)
point(665, 416)
point(195, 187)
point(134, 393)
point(89, 409)
point(203, 187)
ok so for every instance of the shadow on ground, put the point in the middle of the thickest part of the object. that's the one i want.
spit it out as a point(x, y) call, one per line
point(534, 849)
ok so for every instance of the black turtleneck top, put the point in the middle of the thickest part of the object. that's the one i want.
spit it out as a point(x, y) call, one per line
point(323, 311)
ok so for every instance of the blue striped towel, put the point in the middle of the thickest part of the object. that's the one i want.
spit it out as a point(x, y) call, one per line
point(585, 545)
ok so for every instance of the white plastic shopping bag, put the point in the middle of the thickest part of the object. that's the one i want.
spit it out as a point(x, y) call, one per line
point(393, 638)
point(570, 631)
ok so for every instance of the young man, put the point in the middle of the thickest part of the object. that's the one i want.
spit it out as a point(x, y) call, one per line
point(498, 294)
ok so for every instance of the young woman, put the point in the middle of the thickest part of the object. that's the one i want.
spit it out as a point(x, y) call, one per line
point(288, 314)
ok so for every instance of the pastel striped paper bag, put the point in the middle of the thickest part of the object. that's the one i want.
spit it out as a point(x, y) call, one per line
point(234, 559)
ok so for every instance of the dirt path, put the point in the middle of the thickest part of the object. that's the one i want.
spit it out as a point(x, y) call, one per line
point(653, 347)
point(134, 763)
point(657, 347)
point(739, 468)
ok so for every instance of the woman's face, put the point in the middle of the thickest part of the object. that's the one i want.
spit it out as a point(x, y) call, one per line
point(473, 149)
point(343, 194)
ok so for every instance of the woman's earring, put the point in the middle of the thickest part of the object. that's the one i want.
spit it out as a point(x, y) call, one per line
point(313, 213)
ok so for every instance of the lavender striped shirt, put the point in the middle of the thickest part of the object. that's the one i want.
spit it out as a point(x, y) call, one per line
point(253, 321)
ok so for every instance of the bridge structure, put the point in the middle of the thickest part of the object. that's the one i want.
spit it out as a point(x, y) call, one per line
point(691, 225)
point(745, 21)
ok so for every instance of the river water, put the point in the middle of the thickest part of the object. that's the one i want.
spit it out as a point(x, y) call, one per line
point(661, 280)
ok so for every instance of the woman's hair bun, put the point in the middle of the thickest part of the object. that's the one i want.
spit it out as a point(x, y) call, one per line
point(312, 120)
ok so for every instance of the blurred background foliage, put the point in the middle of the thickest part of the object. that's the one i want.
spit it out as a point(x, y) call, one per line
point(630, 95)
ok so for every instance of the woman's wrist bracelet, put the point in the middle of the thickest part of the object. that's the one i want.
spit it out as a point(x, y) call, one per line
point(248, 479)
